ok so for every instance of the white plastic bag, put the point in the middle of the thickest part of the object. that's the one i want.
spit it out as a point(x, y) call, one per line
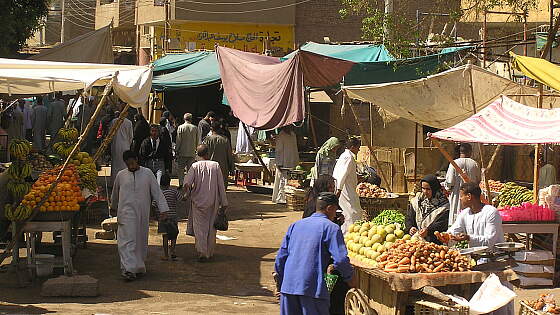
point(491, 296)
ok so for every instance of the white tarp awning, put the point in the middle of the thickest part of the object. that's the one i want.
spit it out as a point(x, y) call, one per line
point(444, 99)
point(25, 77)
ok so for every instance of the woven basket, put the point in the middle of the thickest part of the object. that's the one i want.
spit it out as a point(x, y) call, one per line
point(373, 206)
point(295, 202)
point(439, 308)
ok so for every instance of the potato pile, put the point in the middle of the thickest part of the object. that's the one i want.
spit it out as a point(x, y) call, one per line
point(368, 190)
point(420, 256)
point(366, 241)
point(545, 303)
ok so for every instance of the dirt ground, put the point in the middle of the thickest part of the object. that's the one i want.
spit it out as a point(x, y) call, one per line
point(238, 280)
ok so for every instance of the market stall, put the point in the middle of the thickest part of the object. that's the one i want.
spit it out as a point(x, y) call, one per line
point(506, 122)
point(51, 201)
point(396, 271)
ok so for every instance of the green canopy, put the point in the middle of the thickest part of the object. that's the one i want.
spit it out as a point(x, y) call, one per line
point(202, 72)
point(399, 70)
point(178, 61)
point(356, 53)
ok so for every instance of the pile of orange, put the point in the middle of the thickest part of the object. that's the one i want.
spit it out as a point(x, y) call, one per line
point(65, 196)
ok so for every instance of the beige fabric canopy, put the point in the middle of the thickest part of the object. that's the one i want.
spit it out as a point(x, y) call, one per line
point(26, 77)
point(95, 47)
point(444, 99)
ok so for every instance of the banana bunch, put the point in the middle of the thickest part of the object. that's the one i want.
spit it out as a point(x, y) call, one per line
point(63, 148)
point(88, 176)
point(514, 195)
point(18, 188)
point(68, 134)
point(18, 213)
point(19, 148)
point(19, 172)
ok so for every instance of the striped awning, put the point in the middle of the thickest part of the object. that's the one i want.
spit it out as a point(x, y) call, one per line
point(506, 122)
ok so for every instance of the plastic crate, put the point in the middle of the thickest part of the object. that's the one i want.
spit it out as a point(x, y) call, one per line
point(439, 308)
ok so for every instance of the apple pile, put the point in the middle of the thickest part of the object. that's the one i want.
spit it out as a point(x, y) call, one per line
point(368, 190)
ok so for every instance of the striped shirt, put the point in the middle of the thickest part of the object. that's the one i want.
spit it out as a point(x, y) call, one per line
point(172, 196)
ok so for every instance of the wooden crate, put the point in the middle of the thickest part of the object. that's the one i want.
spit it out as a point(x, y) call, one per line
point(438, 308)
point(373, 206)
point(525, 309)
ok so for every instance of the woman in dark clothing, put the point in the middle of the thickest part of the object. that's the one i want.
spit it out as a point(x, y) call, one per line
point(428, 211)
point(141, 132)
point(166, 141)
point(324, 183)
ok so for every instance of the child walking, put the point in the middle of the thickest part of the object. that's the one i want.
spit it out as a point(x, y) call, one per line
point(167, 223)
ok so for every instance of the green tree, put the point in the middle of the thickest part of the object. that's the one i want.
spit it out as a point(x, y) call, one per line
point(19, 19)
point(398, 30)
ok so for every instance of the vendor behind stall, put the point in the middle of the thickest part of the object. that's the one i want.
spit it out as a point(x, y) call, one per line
point(477, 223)
point(287, 157)
point(428, 211)
point(326, 158)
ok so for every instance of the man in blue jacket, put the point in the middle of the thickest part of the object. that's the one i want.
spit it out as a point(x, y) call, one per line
point(303, 258)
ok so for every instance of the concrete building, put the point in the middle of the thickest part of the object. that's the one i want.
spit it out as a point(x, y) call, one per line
point(79, 19)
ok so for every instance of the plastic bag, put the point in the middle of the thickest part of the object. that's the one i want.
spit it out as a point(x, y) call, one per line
point(491, 295)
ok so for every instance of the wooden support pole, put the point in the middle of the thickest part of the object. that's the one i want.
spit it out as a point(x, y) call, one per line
point(255, 152)
point(81, 139)
point(480, 148)
point(372, 152)
point(494, 155)
point(110, 134)
point(416, 153)
point(447, 156)
point(536, 165)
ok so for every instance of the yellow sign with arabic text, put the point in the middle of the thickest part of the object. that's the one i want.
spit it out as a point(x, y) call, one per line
point(246, 37)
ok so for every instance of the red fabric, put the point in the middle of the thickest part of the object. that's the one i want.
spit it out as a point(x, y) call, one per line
point(265, 93)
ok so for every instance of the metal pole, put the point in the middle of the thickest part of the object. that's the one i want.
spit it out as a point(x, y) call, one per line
point(416, 153)
point(417, 32)
point(525, 47)
point(62, 21)
point(536, 168)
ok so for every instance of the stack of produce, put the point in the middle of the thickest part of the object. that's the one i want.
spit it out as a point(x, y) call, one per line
point(389, 216)
point(65, 196)
point(67, 138)
point(527, 212)
point(421, 256)
point(19, 170)
point(87, 170)
point(495, 185)
point(368, 190)
point(514, 195)
point(545, 303)
point(39, 162)
point(366, 241)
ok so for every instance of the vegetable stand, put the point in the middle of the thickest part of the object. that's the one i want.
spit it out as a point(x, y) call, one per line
point(384, 293)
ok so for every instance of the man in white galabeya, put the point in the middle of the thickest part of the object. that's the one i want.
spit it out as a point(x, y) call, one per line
point(133, 191)
point(346, 183)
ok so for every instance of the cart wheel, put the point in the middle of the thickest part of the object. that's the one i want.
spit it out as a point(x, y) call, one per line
point(355, 303)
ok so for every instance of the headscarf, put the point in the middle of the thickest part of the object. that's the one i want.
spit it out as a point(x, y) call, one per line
point(327, 149)
point(438, 197)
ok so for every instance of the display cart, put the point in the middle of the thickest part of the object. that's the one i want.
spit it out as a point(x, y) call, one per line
point(384, 293)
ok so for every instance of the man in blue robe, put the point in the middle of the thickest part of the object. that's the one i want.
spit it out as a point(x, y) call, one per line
point(303, 259)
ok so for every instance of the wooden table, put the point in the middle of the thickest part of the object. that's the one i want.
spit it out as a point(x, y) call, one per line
point(29, 228)
point(383, 293)
point(247, 173)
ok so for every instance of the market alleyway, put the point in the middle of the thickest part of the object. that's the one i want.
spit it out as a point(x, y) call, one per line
point(237, 281)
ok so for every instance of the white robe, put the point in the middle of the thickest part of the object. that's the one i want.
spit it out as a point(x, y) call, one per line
point(204, 185)
point(242, 144)
point(132, 196)
point(484, 229)
point(547, 176)
point(347, 181)
point(453, 182)
point(121, 142)
point(287, 156)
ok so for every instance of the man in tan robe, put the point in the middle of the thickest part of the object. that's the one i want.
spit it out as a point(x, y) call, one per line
point(205, 185)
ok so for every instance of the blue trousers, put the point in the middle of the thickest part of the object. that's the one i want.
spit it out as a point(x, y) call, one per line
point(302, 305)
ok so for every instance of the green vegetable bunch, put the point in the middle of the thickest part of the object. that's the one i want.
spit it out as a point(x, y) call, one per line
point(388, 217)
